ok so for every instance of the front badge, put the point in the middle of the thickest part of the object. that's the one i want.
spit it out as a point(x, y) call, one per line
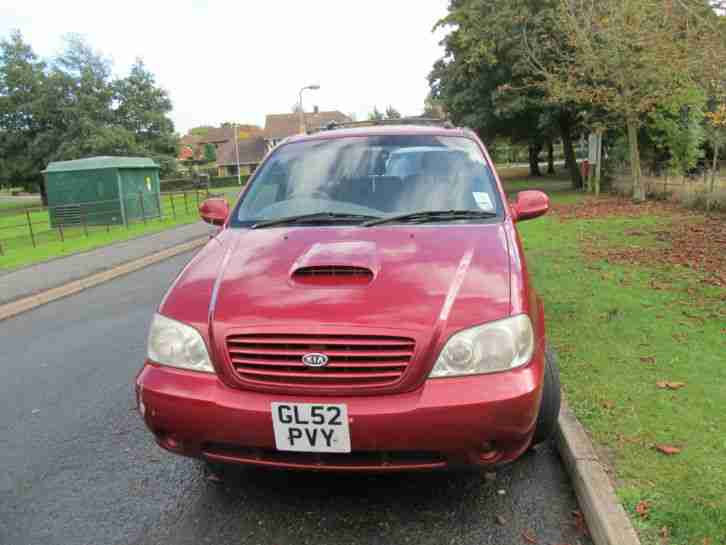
point(315, 360)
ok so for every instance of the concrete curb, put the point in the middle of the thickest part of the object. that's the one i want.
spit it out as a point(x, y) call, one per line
point(606, 519)
point(28, 303)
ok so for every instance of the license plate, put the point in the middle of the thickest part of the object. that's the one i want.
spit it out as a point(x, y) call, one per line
point(311, 427)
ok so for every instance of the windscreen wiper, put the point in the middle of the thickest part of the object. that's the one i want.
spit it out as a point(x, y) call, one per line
point(319, 217)
point(424, 216)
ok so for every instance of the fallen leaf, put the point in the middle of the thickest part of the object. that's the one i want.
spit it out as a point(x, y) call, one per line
point(664, 535)
point(668, 385)
point(501, 521)
point(608, 404)
point(580, 524)
point(529, 537)
point(668, 449)
point(706, 541)
point(647, 359)
point(642, 508)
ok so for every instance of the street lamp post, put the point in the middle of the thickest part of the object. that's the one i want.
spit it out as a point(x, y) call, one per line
point(236, 153)
point(315, 87)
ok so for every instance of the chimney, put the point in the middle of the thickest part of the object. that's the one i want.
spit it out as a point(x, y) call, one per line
point(315, 110)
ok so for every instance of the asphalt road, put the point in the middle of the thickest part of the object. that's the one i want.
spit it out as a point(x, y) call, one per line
point(78, 467)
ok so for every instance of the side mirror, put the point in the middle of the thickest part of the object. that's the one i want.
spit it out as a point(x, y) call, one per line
point(214, 211)
point(530, 204)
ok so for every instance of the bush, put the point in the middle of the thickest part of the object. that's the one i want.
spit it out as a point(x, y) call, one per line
point(699, 200)
point(181, 184)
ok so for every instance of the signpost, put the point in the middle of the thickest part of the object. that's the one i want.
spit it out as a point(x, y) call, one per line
point(595, 160)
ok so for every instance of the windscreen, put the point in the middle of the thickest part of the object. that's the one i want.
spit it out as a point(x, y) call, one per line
point(374, 176)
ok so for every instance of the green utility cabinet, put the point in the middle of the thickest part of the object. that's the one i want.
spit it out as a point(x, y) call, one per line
point(102, 191)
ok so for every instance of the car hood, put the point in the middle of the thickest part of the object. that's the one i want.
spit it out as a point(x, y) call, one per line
point(420, 277)
point(423, 282)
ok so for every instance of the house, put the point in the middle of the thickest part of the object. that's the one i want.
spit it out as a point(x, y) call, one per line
point(250, 143)
point(253, 143)
point(251, 152)
point(280, 126)
point(191, 146)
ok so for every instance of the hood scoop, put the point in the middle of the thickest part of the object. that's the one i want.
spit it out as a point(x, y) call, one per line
point(350, 263)
point(333, 275)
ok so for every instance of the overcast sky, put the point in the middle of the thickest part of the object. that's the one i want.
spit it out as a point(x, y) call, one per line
point(238, 60)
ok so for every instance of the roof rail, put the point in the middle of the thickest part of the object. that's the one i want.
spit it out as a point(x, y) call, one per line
point(333, 125)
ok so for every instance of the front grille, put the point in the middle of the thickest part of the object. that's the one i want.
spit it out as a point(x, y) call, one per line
point(354, 361)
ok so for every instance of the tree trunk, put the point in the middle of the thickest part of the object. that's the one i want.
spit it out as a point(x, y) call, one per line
point(43, 194)
point(570, 160)
point(534, 150)
point(638, 191)
point(712, 188)
point(550, 157)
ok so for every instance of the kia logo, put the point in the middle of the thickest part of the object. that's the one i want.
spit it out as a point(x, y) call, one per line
point(315, 360)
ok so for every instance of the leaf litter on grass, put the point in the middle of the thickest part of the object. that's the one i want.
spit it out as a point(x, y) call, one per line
point(681, 237)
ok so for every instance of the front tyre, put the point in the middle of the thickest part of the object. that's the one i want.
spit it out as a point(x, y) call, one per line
point(549, 409)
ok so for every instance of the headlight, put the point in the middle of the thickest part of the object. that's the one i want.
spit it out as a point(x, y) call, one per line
point(178, 345)
point(488, 348)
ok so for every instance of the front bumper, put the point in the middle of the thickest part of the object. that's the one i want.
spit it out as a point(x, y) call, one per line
point(477, 420)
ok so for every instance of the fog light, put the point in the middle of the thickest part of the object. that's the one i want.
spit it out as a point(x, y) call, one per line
point(488, 451)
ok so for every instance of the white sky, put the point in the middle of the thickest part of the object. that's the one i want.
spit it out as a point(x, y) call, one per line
point(239, 60)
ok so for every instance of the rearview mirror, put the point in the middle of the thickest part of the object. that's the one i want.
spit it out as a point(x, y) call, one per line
point(214, 211)
point(530, 204)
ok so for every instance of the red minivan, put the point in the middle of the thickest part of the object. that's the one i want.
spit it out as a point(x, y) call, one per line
point(365, 306)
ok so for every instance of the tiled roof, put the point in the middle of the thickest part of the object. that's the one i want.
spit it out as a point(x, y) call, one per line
point(284, 125)
point(251, 151)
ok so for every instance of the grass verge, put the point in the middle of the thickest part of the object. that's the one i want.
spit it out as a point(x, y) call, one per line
point(641, 342)
point(17, 248)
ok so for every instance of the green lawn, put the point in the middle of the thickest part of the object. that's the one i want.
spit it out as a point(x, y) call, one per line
point(619, 330)
point(17, 248)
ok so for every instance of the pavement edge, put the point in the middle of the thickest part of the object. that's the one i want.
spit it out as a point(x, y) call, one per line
point(25, 304)
point(606, 519)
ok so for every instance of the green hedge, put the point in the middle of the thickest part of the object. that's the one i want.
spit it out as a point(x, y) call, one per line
point(180, 184)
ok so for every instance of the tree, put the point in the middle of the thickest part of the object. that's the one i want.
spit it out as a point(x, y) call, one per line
point(713, 80)
point(210, 153)
point(623, 57)
point(716, 134)
point(485, 80)
point(392, 113)
point(22, 79)
point(142, 108)
point(375, 115)
point(72, 108)
point(433, 108)
point(202, 130)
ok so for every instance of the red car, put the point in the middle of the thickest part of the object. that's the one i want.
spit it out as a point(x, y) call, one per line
point(365, 306)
